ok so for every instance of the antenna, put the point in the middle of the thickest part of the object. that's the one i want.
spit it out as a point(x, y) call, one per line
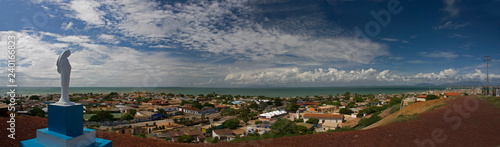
point(487, 75)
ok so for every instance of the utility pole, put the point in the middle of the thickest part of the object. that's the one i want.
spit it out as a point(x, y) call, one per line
point(487, 75)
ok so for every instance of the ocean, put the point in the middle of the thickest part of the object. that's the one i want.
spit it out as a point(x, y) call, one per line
point(269, 92)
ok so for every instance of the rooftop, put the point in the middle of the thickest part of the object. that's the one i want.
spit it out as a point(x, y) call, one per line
point(323, 115)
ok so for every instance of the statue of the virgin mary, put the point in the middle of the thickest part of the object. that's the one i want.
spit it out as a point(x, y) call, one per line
point(64, 68)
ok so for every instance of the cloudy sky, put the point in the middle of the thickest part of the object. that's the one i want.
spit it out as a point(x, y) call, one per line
point(252, 43)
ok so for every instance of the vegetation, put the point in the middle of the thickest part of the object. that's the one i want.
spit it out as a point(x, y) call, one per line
point(34, 97)
point(132, 112)
point(102, 116)
point(141, 135)
point(258, 122)
point(184, 139)
point(212, 139)
point(313, 121)
point(36, 112)
point(394, 109)
point(346, 111)
point(402, 118)
point(127, 116)
point(368, 121)
point(494, 100)
point(281, 128)
point(232, 124)
point(431, 97)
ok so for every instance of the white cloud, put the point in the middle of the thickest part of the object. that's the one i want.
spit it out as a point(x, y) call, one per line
point(450, 7)
point(66, 26)
point(390, 39)
point(108, 39)
point(160, 46)
point(92, 65)
point(283, 76)
point(204, 26)
point(439, 54)
point(74, 39)
point(294, 75)
point(451, 25)
point(87, 11)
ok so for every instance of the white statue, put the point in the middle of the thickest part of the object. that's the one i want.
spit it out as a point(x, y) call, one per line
point(64, 68)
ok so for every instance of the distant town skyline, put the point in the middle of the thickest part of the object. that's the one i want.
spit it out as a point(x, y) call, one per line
point(246, 43)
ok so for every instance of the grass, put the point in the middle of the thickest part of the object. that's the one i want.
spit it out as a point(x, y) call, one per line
point(394, 109)
point(435, 107)
point(494, 100)
point(402, 118)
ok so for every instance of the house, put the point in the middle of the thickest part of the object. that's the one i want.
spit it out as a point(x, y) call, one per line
point(191, 110)
point(336, 118)
point(224, 134)
point(199, 111)
point(421, 98)
point(221, 107)
point(452, 94)
point(309, 104)
point(196, 136)
point(146, 116)
point(175, 134)
point(133, 130)
point(157, 102)
point(109, 103)
point(168, 109)
point(237, 102)
point(123, 109)
point(327, 108)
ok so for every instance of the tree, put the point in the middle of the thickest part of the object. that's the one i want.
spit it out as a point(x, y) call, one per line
point(431, 97)
point(292, 107)
point(184, 139)
point(350, 104)
point(162, 112)
point(232, 124)
point(104, 116)
point(127, 116)
point(208, 105)
point(196, 104)
point(312, 121)
point(253, 105)
point(132, 112)
point(345, 111)
point(278, 102)
point(35, 111)
point(347, 95)
point(302, 129)
point(34, 97)
point(284, 126)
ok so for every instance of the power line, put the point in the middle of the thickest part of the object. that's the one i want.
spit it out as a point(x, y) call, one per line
point(487, 74)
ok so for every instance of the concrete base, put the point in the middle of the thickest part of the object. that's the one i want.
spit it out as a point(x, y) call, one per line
point(47, 138)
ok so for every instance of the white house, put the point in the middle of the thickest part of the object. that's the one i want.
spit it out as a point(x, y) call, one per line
point(224, 134)
point(335, 118)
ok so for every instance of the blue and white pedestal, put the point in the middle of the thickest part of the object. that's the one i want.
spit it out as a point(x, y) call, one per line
point(66, 130)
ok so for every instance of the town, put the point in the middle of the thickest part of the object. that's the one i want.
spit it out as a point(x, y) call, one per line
point(212, 117)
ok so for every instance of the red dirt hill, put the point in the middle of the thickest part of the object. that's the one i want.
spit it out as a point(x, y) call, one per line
point(466, 121)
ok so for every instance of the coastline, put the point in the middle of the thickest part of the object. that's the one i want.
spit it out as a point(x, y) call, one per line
point(269, 92)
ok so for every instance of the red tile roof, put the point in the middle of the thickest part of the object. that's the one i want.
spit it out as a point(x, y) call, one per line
point(422, 96)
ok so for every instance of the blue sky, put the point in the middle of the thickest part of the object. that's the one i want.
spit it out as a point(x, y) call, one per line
point(248, 43)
